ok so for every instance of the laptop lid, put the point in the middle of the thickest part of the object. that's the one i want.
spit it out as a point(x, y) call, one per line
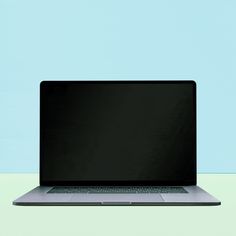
point(117, 133)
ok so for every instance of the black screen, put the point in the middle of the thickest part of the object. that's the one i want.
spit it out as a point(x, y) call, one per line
point(121, 131)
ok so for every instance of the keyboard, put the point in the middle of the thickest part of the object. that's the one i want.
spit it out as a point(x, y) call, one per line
point(116, 189)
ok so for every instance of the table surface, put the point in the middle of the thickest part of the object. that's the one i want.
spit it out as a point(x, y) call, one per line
point(118, 220)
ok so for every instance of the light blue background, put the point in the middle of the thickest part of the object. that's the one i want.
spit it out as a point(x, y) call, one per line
point(122, 39)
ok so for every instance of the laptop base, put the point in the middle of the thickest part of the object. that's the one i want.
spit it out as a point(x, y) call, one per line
point(39, 196)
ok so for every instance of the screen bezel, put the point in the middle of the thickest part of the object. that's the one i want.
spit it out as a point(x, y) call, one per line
point(192, 179)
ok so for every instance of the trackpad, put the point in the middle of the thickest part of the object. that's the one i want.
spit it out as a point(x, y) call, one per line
point(117, 198)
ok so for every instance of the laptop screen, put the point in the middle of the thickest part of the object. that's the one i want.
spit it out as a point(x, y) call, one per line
point(117, 132)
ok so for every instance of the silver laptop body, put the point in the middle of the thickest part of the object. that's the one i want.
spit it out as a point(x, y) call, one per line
point(117, 143)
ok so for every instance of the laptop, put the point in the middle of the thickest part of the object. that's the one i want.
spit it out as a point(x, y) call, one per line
point(117, 143)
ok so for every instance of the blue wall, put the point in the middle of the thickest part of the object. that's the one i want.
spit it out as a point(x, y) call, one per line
point(122, 39)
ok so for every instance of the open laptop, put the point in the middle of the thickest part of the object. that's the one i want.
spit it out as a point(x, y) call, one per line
point(117, 143)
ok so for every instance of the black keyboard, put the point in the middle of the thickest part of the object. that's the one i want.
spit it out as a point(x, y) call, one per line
point(117, 189)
